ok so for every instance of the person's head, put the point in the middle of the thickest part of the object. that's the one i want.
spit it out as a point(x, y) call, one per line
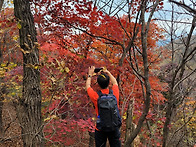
point(103, 80)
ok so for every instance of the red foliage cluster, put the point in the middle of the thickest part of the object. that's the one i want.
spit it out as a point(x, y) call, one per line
point(9, 36)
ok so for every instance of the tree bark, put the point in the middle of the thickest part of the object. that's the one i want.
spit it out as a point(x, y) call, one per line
point(91, 139)
point(168, 116)
point(2, 91)
point(129, 122)
point(1, 4)
point(29, 106)
point(1, 98)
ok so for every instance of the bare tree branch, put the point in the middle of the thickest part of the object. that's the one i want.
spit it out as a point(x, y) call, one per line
point(183, 5)
point(184, 79)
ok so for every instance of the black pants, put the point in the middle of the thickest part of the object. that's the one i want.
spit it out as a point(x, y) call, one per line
point(113, 137)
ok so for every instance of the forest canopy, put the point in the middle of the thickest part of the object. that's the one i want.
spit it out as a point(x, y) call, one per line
point(46, 47)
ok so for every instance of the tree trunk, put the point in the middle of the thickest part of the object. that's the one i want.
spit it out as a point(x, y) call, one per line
point(2, 92)
point(1, 105)
point(1, 108)
point(147, 92)
point(91, 139)
point(168, 116)
point(129, 123)
point(29, 106)
point(1, 4)
point(1, 97)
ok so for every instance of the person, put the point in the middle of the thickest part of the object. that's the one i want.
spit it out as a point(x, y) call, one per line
point(103, 81)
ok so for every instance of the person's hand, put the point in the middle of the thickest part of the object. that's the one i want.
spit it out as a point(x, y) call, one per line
point(91, 70)
point(105, 70)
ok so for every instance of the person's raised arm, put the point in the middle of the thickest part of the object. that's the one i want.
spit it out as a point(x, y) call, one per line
point(90, 74)
point(112, 78)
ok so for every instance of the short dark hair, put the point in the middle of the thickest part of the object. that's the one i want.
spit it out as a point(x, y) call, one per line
point(103, 80)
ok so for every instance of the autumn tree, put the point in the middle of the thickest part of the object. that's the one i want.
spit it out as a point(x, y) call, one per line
point(86, 33)
point(122, 43)
point(139, 34)
point(29, 105)
point(179, 72)
point(112, 40)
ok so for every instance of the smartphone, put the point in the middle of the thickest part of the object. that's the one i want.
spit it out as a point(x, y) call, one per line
point(97, 70)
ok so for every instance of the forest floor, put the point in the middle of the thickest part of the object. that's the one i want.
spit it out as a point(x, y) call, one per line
point(11, 134)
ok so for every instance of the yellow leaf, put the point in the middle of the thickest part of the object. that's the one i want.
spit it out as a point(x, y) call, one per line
point(53, 116)
point(24, 52)
point(1, 31)
point(36, 67)
point(2, 74)
point(19, 25)
point(53, 79)
point(6, 100)
point(15, 37)
point(17, 87)
point(46, 119)
point(13, 93)
point(67, 69)
point(3, 65)
point(62, 63)
point(124, 116)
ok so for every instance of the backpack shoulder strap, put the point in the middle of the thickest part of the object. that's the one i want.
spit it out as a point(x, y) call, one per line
point(99, 93)
point(110, 91)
